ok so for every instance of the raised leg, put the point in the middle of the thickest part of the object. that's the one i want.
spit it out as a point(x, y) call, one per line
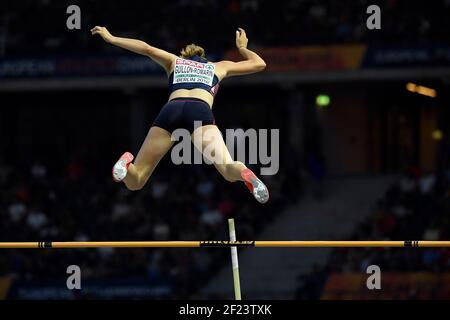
point(155, 146)
point(209, 141)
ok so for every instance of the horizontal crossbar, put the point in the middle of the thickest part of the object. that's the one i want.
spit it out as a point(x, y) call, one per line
point(227, 244)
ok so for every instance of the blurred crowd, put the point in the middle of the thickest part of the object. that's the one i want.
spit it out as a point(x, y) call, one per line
point(416, 207)
point(38, 26)
point(77, 200)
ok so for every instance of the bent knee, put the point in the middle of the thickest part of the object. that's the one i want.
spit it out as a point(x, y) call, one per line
point(134, 186)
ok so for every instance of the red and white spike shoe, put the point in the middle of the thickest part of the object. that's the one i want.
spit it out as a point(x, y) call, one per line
point(120, 169)
point(256, 186)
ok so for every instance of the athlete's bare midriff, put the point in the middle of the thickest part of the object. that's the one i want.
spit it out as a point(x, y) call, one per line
point(193, 93)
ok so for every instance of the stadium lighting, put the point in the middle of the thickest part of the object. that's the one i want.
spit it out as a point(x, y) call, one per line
point(425, 91)
point(437, 134)
point(323, 100)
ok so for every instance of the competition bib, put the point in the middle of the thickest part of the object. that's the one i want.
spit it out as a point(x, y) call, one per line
point(188, 71)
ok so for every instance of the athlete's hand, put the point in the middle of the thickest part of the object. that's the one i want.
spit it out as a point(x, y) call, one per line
point(241, 38)
point(103, 32)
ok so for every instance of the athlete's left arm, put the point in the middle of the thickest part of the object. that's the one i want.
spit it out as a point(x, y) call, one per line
point(163, 58)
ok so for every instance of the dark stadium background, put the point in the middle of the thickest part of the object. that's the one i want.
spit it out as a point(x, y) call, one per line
point(372, 165)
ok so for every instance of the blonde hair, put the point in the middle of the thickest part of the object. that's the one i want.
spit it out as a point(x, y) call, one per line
point(192, 50)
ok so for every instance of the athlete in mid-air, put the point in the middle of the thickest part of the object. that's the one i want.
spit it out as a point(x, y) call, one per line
point(193, 84)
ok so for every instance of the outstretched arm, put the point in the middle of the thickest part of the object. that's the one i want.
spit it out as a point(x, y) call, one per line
point(252, 63)
point(163, 58)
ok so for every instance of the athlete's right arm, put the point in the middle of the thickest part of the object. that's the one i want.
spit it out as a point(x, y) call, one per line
point(252, 63)
point(163, 58)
